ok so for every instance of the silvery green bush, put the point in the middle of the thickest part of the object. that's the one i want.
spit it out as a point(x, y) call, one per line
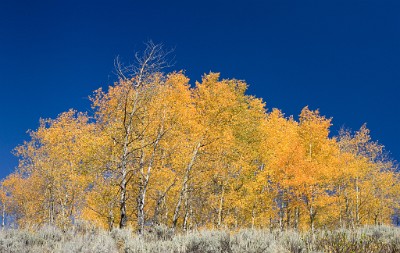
point(88, 239)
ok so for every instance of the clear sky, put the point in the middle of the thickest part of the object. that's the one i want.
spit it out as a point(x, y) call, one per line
point(342, 57)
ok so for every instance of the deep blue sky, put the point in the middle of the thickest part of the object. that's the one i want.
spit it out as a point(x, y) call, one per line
point(342, 57)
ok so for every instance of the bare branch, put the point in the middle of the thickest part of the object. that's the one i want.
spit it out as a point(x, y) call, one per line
point(152, 60)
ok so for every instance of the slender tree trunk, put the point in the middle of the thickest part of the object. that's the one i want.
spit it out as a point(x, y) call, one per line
point(312, 211)
point(236, 218)
point(3, 215)
point(177, 208)
point(165, 221)
point(221, 204)
point(127, 123)
point(340, 209)
point(296, 218)
point(124, 173)
point(184, 185)
point(312, 217)
point(51, 207)
point(357, 216)
point(270, 223)
point(347, 211)
point(110, 219)
point(159, 205)
point(281, 213)
point(123, 216)
point(186, 216)
point(157, 209)
point(140, 204)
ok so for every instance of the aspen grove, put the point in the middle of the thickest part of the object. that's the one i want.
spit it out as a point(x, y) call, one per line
point(156, 150)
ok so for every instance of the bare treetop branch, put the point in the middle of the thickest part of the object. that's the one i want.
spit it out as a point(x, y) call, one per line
point(152, 60)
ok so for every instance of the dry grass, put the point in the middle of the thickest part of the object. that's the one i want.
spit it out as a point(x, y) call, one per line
point(161, 239)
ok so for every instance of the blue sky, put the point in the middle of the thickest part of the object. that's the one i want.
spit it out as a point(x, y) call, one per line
point(342, 57)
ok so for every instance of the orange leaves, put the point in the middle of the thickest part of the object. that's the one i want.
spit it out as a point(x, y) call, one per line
point(203, 156)
point(53, 169)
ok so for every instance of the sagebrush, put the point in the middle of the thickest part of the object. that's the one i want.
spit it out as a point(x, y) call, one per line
point(87, 240)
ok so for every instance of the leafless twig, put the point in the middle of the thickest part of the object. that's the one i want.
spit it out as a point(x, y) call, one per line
point(152, 60)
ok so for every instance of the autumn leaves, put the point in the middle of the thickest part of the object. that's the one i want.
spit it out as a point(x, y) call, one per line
point(157, 151)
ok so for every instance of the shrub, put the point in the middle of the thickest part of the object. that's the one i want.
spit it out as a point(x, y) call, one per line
point(100, 242)
point(373, 239)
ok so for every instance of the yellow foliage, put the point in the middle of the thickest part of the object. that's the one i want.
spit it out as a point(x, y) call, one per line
point(158, 151)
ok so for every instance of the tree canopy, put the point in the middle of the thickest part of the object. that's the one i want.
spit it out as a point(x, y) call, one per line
point(157, 150)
